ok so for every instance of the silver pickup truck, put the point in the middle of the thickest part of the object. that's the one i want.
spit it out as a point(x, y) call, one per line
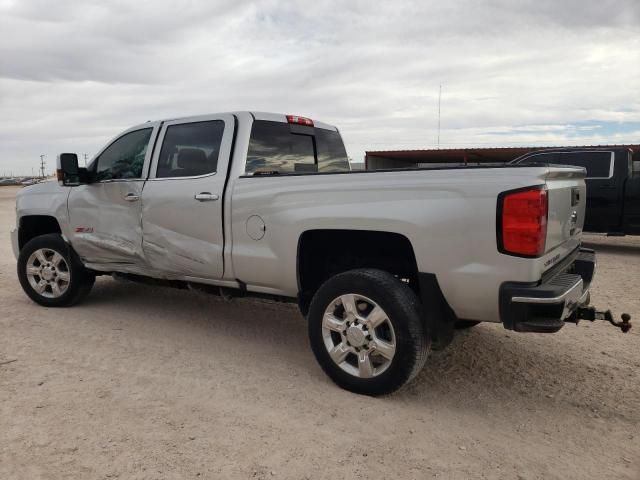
point(384, 265)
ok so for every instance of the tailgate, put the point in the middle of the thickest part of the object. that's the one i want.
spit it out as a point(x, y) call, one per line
point(567, 195)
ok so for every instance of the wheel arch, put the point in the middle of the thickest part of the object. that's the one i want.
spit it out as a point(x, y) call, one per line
point(32, 226)
point(324, 253)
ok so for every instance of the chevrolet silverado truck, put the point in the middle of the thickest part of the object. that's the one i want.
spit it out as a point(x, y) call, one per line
point(613, 185)
point(383, 264)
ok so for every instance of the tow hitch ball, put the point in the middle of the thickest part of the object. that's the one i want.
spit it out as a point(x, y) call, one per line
point(591, 314)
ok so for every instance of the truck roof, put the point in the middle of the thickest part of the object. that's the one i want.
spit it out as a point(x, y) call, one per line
point(272, 117)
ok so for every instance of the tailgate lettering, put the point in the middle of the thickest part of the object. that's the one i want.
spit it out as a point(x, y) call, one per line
point(552, 260)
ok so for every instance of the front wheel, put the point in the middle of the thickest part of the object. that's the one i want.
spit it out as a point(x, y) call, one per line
point(367, 332)
point(51, 274)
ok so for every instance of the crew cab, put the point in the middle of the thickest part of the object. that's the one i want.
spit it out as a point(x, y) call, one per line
point(613, 185)
point(383, 264)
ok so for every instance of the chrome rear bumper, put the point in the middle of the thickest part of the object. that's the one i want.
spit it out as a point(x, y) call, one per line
point(574, 296)
point(544, 306)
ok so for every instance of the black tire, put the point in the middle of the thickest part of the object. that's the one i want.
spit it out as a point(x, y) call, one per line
point(465, 324)
point(80, 282)
point(403, 311)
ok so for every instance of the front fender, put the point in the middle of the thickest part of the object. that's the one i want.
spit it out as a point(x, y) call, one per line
point(47, 198)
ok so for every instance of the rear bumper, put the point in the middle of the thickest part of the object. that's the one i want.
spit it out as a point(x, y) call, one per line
point(544, 306)
point(14, 242)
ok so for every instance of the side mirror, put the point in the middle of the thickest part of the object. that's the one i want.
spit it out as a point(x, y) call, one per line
point(67, 170)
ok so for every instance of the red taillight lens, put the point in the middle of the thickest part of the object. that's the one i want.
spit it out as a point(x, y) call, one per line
point(300, 120)
point(524, 222)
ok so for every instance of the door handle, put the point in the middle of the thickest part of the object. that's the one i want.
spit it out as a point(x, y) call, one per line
point(132, 197)
point(206, 197)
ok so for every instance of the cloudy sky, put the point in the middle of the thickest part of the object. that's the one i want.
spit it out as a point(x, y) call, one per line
point(513, 72)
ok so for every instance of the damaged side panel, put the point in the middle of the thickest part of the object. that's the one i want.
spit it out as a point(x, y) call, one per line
point(105, 222)
point(168, 249)
point(182, 202)
point(106, 248)
point(105, 225)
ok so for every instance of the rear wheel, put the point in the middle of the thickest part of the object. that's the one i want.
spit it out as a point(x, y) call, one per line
point(51, 274)
point(367, 332)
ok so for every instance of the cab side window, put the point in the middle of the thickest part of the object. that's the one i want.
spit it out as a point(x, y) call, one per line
point(598, 164)
point(332, 156)
point(190, 149)
point(124, 158)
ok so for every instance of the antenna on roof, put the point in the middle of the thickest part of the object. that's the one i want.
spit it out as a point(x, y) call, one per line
point(439, 101)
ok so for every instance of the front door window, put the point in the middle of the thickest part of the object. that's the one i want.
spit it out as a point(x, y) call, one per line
point(124, 158)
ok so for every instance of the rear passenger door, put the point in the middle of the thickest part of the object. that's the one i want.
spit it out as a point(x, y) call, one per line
point(182, 202)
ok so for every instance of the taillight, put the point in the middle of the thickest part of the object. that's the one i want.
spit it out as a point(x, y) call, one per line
point(522, 222)
point(300, 120)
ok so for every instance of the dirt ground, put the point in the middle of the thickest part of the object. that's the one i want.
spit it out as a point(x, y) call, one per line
point(140, 382)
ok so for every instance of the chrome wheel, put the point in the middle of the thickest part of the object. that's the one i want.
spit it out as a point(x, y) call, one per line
point(48, 273)
point(358, 335)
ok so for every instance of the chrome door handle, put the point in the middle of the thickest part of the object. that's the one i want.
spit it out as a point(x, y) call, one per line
point(206, 197)
point(132, 197)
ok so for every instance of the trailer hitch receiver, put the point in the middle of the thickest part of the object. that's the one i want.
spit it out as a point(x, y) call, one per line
point(591, 314)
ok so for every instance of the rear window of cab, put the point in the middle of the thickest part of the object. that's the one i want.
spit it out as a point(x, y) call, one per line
point(277, 147)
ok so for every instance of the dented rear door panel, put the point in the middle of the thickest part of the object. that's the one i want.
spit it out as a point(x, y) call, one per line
point(182, 216)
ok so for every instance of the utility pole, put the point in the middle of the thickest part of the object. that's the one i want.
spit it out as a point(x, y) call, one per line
point(85, 159)
point(42, 163)
point(439, 101)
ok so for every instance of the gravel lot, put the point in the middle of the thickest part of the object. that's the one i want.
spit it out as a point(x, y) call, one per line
point(141, 382)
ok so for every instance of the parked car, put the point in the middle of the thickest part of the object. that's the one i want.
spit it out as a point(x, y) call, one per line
point(613, 185)
point(382, 263)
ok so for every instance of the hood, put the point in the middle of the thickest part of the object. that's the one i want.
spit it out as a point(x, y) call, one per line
point(46, 187)
point(47, 198)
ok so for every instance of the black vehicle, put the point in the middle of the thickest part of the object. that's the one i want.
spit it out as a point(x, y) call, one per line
point(613, 185)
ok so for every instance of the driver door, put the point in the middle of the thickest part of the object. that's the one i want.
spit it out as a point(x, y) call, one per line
point(105, 215)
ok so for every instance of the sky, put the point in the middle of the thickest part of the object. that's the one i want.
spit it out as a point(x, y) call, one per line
point(513, 72)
